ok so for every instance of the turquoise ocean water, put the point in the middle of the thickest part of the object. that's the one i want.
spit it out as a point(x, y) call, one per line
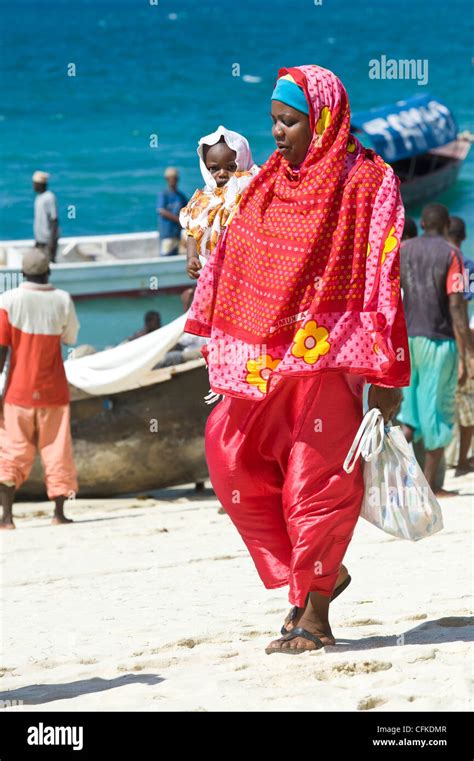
point(166, 69)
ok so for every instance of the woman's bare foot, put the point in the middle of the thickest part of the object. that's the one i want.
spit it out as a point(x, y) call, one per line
point(315, 621)
point(291, 623)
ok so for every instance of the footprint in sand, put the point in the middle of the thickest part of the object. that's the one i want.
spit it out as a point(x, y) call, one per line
point(152, 663)
point(254, 633)
point(322, 676)
point(191, 642)
point(367, 704)
point(161, 663)
point(429, 656)
point(416, 617)
point(364, 667)
point(132, 667)
point(362, 622)
point(48, 664)
point(6, 670)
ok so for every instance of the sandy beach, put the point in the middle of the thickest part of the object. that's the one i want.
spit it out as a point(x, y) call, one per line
point(153, 604)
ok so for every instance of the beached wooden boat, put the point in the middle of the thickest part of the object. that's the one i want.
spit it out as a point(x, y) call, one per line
point(419, 138)
point(94, 266)
point(148, 438)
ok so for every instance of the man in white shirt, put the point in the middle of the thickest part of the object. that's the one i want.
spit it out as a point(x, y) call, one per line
point(35, 319)
point(46, 223)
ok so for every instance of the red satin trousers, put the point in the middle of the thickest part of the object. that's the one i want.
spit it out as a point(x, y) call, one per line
point(276, 467)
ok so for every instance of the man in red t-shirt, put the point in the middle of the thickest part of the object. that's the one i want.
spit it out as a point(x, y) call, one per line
point(34, 319)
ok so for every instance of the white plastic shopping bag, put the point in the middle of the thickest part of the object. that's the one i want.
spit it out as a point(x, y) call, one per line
point(397, 498)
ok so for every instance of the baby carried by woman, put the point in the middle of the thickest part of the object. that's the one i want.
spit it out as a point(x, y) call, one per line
point(227, 168)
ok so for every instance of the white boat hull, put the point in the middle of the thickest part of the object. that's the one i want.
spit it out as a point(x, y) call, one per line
point(109, 265)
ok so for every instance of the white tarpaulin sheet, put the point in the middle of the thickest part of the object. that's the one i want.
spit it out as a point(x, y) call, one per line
point(122, 367)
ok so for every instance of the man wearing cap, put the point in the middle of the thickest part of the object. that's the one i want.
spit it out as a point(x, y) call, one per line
point(169, 203)
point(34, 319)
point(46, 224)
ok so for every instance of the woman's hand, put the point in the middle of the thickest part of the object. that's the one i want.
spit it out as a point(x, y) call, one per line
point(193, 265)
point(387, 400)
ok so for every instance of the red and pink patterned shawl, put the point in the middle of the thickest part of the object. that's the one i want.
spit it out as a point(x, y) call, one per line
point(306, 277)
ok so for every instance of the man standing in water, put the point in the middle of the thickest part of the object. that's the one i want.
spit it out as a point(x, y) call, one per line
point(34, 319)
point(46, 223)
point(169, 203)
point(432, 277)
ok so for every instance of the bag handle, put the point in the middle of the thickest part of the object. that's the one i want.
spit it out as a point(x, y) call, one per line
point(368, 440)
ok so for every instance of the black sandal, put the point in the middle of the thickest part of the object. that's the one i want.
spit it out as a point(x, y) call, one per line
point(297, 632)
point(294, 611)
point(341, 587)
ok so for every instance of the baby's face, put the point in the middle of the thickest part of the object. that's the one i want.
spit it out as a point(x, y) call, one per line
point(221, 162)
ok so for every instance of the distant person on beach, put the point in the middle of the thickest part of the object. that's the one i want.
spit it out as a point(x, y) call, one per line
point(46, 222)
point(169, 203)
point(34, 319)
point(432, 277)
point(465, 390)
point(227, 168)
point(151, 322)
point(410, 229)
point(292, 343)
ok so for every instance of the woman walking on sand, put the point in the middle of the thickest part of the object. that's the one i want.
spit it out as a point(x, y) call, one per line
point(301, 301)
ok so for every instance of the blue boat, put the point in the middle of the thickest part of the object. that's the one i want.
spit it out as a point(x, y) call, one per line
point(419, 138)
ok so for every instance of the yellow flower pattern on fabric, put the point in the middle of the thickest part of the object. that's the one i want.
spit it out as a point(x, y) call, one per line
point(324, 120)
point(310, 342)
point(390, 244)
point(351, 146)
point(259, 371)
